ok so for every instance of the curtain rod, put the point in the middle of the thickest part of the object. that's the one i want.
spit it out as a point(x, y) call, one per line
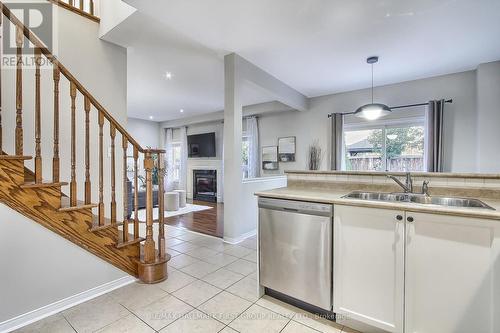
point(398, 107)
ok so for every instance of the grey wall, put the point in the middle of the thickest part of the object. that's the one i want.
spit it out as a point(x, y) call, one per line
point(488, 93)
point(147, 133)
point(460, 128)
point(41, 267)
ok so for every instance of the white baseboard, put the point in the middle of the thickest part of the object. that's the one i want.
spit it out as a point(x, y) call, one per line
point(241, 238)
point(48, 310)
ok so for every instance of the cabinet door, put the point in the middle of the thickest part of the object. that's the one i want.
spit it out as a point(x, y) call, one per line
point(450, 264)
point(369, 266)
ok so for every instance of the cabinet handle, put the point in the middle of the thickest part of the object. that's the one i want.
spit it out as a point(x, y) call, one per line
point(399, 217)
point(410, 219)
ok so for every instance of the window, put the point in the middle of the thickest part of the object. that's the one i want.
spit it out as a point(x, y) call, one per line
point(389, 147)
point(245, 152)
point(176, 167)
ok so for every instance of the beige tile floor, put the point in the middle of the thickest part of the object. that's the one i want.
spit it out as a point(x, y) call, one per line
point(212, 287)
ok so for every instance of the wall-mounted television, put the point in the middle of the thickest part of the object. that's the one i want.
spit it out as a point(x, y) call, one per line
point(201, 145)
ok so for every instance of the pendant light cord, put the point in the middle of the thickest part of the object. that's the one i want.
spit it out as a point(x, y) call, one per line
point(372, 83)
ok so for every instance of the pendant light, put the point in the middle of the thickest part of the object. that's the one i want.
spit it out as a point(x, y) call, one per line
point(372, 111)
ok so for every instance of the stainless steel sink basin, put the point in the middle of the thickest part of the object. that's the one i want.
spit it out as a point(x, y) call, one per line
point(377, 196)
point(419, 199)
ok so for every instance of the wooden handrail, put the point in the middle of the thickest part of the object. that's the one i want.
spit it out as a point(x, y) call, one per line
point(63, 70)
point(78, 10)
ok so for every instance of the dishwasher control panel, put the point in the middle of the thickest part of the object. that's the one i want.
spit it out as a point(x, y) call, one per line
point(311, 208)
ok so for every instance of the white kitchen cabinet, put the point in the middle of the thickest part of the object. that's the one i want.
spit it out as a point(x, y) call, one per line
point(452, 274)
point(440, 273)
point(369, 266)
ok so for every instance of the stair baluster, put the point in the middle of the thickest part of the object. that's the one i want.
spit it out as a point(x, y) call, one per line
point(136, 195)
point(88, 192)
point(125, 190)
point(55, 159)
point(38, 120)
point(81, 5)
point(101, 170)
point(19, 90)
point(91, 7)
point(113, 174)
point(72, 186)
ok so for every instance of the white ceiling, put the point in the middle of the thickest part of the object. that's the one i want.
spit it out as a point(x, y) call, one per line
point(315, 46)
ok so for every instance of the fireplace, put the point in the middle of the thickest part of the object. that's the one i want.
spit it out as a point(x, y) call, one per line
point(205, 185)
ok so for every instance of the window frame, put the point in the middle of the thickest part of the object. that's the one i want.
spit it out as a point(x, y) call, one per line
point(382, 125)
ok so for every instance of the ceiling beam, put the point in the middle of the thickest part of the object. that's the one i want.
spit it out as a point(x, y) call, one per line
point(278, 90)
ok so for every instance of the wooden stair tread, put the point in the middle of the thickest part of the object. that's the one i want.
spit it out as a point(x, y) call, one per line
point(66, 207)
point(15, 157)
point(42, 185)
point(107, 224)
point(131, 241)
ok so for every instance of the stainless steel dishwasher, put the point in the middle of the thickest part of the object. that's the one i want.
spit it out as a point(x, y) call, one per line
point(295, 240)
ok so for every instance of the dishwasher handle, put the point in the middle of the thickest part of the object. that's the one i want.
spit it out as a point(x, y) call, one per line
point(299, 207)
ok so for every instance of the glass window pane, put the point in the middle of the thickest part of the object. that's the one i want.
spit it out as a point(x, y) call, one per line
point(405, 148)
point(245, 149)
point(176, 152)
point(363, 150)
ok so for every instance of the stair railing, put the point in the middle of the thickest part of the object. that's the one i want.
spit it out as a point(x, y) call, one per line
point(86, 8)
point(150, 255)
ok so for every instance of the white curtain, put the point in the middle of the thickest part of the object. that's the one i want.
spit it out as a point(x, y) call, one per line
point(184, 159)
point(169, 161)
point(253, 147)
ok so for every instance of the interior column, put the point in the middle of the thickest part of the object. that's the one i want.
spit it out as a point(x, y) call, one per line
point(233, 109)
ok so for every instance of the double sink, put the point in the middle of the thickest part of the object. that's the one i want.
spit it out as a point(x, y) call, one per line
point(423, 199)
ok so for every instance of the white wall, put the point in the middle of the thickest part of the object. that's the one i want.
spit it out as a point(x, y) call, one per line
point(101, 67)
point(112, 13)
point(147, 133)
point(248, 214)
point(39, 267)
point(488, 107)
point(460, 118)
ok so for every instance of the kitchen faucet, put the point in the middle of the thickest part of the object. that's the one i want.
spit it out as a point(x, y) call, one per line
point(408, 186)
point(425, 188)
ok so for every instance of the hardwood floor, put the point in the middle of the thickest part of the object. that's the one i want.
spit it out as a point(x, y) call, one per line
point(209, 222)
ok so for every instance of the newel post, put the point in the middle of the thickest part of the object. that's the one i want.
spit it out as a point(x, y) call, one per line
point(149, 245)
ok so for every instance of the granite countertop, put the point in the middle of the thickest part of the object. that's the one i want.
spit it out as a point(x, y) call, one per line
point(335, 197)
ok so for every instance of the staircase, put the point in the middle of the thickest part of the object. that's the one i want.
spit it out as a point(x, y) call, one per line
point(87, 224)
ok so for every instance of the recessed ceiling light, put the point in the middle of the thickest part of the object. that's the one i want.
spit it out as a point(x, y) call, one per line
point(182, 110)
point(151, 117)
point(168, 75)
